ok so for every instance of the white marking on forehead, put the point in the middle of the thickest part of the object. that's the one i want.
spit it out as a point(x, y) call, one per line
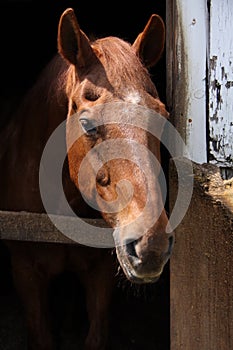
point(133, 97)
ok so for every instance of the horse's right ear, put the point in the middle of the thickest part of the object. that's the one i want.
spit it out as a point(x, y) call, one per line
point(73, 44)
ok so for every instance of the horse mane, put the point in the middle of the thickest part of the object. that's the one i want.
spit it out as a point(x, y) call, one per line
point(50, 83)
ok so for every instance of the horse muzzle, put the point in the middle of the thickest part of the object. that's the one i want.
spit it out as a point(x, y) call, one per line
point(142, 264)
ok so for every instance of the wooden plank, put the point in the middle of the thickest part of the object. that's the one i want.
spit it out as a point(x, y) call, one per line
point(25, 226)
point(201, 267)
point(221, 83)
point(187, 39)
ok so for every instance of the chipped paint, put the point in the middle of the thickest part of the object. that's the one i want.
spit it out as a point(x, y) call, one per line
point(229, 84)
point(221, 83)
point(195, 37)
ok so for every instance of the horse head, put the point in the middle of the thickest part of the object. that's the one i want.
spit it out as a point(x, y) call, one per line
point(116, 105)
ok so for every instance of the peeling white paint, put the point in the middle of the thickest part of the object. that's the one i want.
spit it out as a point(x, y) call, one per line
point(221, 83)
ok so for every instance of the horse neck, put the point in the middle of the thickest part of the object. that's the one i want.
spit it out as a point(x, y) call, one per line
point(23, 139)
point(43, 108)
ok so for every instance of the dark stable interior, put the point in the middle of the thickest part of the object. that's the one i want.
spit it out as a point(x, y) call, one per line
point(28, 34)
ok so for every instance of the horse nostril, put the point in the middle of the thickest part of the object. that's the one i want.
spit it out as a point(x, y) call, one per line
point(102, 177)
point(130, 248)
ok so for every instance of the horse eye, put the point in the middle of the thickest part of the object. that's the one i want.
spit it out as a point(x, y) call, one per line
point(89, 126)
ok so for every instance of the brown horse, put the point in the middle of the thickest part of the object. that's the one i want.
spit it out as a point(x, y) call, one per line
point(83, 76)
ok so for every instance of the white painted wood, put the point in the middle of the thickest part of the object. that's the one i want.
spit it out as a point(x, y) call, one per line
point(221, 82)
point(187, 38)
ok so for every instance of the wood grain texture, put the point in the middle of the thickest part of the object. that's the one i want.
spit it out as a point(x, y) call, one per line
point(221, 83)
point(25, 226)
point(201, 265)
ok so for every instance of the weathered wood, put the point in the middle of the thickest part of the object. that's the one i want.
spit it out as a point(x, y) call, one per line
point(201, 265)
point(36, 227)
point(186, 41)
point(221, 83)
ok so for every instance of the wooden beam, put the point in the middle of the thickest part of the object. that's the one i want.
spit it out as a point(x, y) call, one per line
point(186, 52)
point(201, 283)
point(221, 83)
point(25, 226)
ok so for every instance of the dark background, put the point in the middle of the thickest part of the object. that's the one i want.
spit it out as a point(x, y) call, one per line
point(28, 40)
point(28, 34)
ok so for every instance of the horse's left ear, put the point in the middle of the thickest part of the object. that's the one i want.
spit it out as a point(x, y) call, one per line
point(149, 44)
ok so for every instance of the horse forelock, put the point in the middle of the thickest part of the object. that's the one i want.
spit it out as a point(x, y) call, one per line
point(122, 66)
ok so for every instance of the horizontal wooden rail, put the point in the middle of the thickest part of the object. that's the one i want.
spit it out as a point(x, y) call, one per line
point(26, 226)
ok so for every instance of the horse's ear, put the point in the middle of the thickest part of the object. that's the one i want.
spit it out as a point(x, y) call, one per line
point(149, 44)
point(73, 44)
